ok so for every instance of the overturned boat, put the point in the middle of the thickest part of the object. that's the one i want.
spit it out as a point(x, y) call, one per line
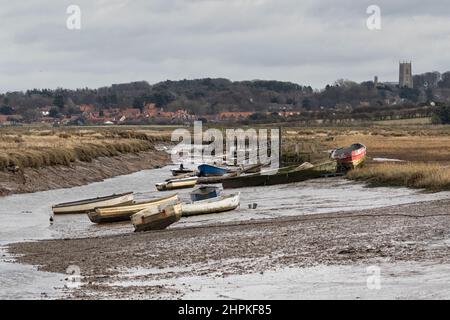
point(156, 218)
point(84, 206)
point(213, 205)
point(351, 157)
point(284, 175)
point(173, 184)
point(123, 213)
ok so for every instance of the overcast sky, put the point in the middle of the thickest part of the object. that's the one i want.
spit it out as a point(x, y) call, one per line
point(310, 42)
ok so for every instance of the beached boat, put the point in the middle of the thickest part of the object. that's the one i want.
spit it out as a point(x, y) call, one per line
point(84, 206)
point(281, 176)
point(205, 192)
point(156, 218)
point(173, 184)
point(351, 157)
point(214, 205)
point(207, 170)
point(123, 213)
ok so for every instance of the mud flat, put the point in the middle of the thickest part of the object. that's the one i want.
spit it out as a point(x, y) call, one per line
point(319, 255)
point(79, 173)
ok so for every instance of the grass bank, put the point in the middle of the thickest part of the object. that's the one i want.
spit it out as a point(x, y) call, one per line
point(420, 175)
point(36, 148)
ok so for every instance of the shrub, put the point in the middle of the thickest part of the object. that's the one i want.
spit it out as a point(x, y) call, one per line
point(441, 115)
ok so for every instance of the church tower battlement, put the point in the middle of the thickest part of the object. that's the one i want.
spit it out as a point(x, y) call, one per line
point(405, 77)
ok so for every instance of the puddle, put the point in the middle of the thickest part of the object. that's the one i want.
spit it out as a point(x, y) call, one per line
point(387, 160)
point(404, 280)
point(19, 282)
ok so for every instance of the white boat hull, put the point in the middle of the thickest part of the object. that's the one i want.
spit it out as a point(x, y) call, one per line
point(214, 205)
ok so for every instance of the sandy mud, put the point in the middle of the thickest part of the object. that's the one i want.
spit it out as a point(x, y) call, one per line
point(210, 261)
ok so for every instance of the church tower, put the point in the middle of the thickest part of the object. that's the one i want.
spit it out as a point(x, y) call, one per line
point(405, 79)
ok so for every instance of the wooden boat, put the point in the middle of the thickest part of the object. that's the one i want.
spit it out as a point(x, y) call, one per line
point(205, 192)
point(207, 170)
point(156, 218)
point(84, 206)
point(173, 184)
point(255, 168)
point(219, 179)
point(216, 179)
point(351, 157)
point(123, 213)
point(281, 176)
point(214, 205)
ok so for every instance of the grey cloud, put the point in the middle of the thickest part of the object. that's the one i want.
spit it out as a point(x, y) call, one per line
point(309, 42)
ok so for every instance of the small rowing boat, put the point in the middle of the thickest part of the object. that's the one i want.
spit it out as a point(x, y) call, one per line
point(123, 213)
point(181, 171)
point(173, 184)
point(205, 192)
point(84, 206)
point(214, 205)
point(156, 218)
point(351, 157)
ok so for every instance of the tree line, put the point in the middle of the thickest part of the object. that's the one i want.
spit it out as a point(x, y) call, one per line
point(212, 96)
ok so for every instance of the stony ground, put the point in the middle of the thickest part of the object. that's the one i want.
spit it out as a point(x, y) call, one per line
point(394, 234)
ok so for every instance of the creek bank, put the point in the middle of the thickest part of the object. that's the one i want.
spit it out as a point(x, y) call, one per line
point(79, 173)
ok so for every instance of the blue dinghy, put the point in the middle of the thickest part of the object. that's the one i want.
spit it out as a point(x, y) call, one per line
point(205, 192)
point(207, 170)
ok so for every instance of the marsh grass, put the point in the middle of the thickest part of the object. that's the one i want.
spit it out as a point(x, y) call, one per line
point(411, 144)
point(425, 150)
point(433, 177)
point(39, 148)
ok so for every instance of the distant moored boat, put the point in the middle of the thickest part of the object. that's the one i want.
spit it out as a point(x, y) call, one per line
point(173, 184)
point(207, 170)
point(181, 171)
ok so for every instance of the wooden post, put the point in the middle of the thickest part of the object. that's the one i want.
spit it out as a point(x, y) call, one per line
point(280, 133)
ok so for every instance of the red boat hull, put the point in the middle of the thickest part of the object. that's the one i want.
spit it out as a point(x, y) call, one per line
point(350, 158)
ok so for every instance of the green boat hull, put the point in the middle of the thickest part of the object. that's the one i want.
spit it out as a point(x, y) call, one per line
point(283, 176)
